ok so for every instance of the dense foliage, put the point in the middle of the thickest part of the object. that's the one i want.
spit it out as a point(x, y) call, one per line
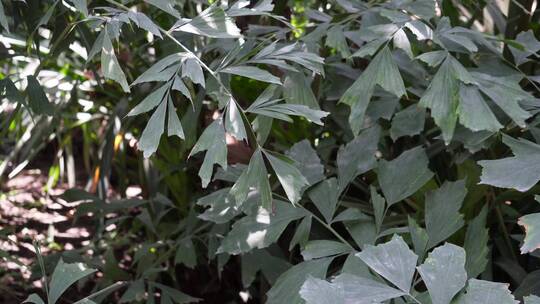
point(287, 151)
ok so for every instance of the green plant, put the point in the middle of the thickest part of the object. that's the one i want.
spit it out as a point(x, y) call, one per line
point(330, 148)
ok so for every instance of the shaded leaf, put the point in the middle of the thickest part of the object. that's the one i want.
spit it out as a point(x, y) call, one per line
point(519, 172)
point(325, 197)
point(476, 241)
point(287, 287)
point(442, 211)
point(37, 100)
point(382, 71)
point(307, 161)
point(408, 122)
point(358, 156)
point(404, 175)
point(65, 275)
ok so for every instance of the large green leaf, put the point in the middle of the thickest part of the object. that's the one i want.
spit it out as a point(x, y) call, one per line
point(307, 161)
point(358, 156)
point(476, 245)
point(212, 141)
point(292, 181)
point(37, 100)
point(442, 95)
point(347, 288)
point(444, 273)
point(110, 65)
point(65, 275)
point(287, 287)
point(531, 223)
point(325, 197)
point(212, 22)
point(151, 135)
point(392, 260)
point(404, 175)
point(520, 172)
point(381, 71)
point(485, 292)
point(254, 177)
point(260, 229)
point(442, 211)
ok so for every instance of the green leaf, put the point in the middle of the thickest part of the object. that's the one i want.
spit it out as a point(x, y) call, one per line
point(212, 22)
point(444, 273)
point(233, 121)
point(37, 100)
point(307, 161)
point(260, 229)
point(520, 172)
point(261, 260)
point(325, 197)
point(358, 156)
point(109, 64)
point(408, 122)
point(185, 253)
point(212, 141)
point(253, 73)
point(379, 205)
point(485, 292)
point(531, 224)
point(476, 241)
point(287, 287)
point(382, 71)
point(142, 21)
point(474, 113)
point(149, 141)
point(222, 206)
point(3, 18)
point(176, 295)
point(301, 235)
point(318, 291)
point(532, 300)
point(65, 275)
point(166, 6)
point(392, 260)
point(419, 238)
point(442, 95)
point(254, 177)
point(297, 90)
point(506, 93)
point(150, 102)
point(80, 5)
point(162, 70)
point(364, 290)
point(292, 181)
point(281, 111)
point(404, 175)
point(442, 211)
point(323, 248)
point(174, 127)
point(192, 69)
point(33, 298)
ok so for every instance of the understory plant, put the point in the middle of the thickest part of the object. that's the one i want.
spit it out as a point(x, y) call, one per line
point(286, 151)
